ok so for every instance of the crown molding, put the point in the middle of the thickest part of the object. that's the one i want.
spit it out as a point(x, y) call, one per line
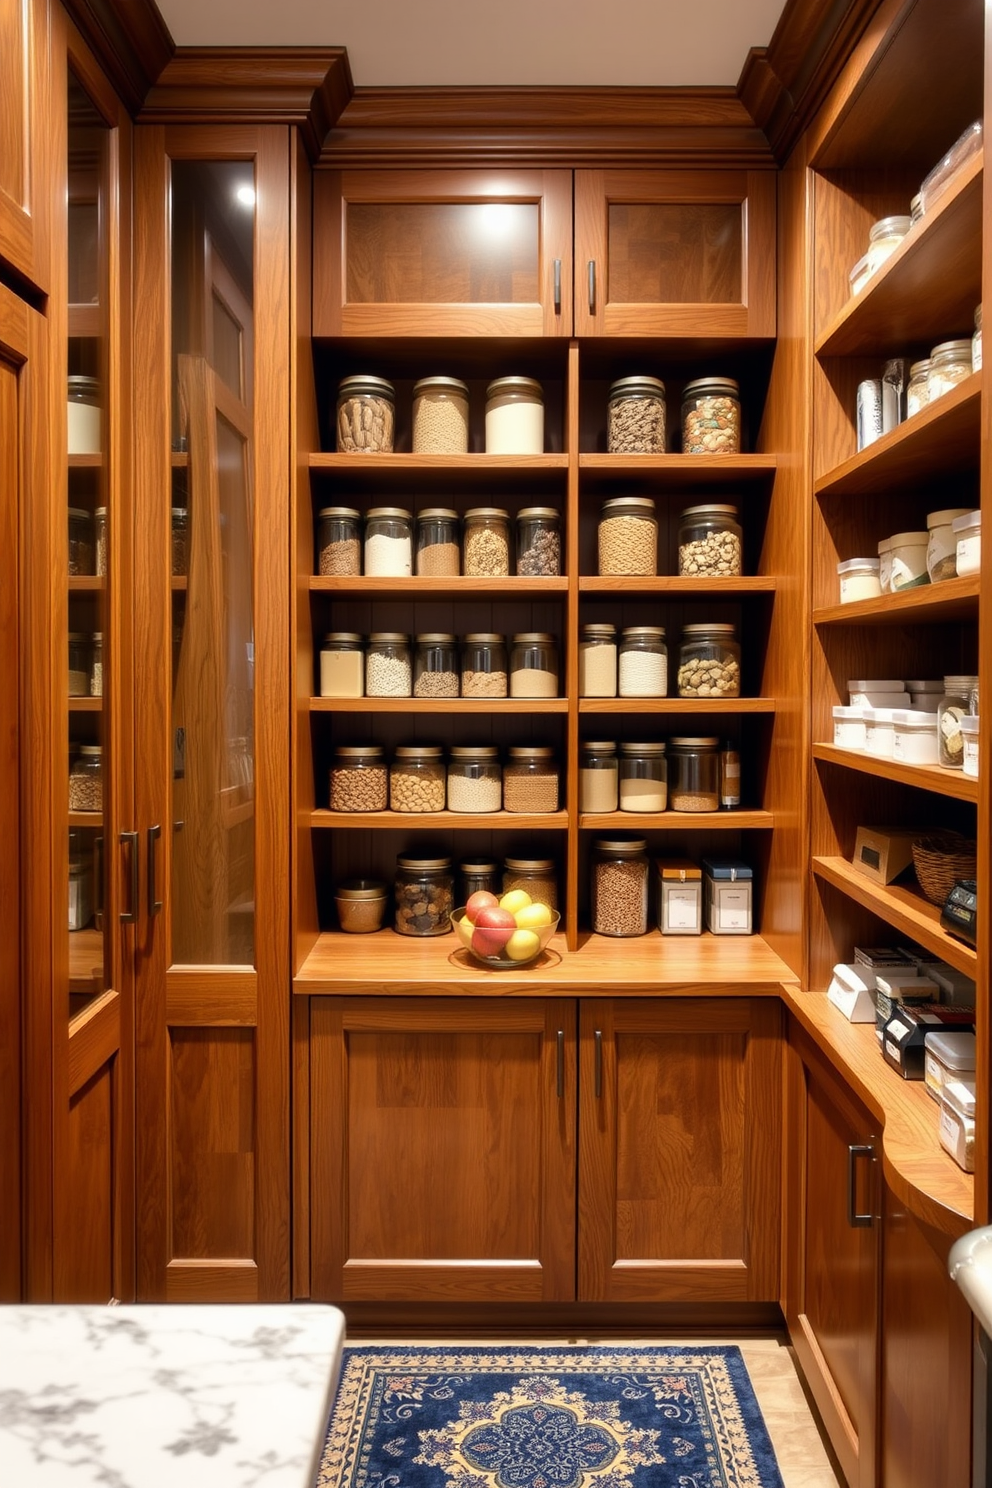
point(129, 39)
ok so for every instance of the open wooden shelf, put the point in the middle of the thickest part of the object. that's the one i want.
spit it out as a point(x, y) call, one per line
point(86, 322)
point(85, 704)
point(438, 705)
point(85, 960)
point(398, 821)
point(902, 907)
point(676, 584)
point(451, 588)
point(679, 472)
point(925, 777)
point(950, 601)
point(677, 821)
point(91, 819)
point(463, 465)
point(86, 584)
point(85, 462)
point(664, 705)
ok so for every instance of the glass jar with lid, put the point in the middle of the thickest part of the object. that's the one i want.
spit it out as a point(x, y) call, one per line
point(598, 661)
point(100, 541)
point(620, 887)
point(694, 770)
point(711, 417)
point(538, 542)
point(484, 665)
point(417, 779)
point(388, 672)
point(710, 542)
point(435, 666)
point(884, 237)
point(96, 664)
point(599, 776)
point(536, 876)
point(950, 363)
point(80, 542)
point(423, 892)
point(486, 543)
point(976, 342)
point(339, 542)
point(627, 537)
point(359, 778)
point(709, 662)
point(635, 417)
point(643, 777)
point(475, 779)
point(84, 418)
point(86, 779)
point(643, 662)
point(361, 905)
point(342, 665)
point(440, 416)
point(514, 417)
point(180, 542)
point(918, 387)
point(953, 706)
point(365, 416)
point(530, 780)
point(80, 885)
point(478, 876)
point(79, 664)
point(388, 543)
point(438, 549)
point(534, 665)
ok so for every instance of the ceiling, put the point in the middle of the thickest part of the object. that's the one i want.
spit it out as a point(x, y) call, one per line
point(536, 43)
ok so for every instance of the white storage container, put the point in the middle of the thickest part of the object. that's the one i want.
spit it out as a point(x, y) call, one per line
point(885, 565)
point(942, 544)
point(915, 740)
point(909, 560)
point(925, 694)
point(849, 728)
point(859, 579)
point(880, 733)
point(967, 531)
point(969, 732)
point(883, 693)
point(949, 1056)
point(956, 1128)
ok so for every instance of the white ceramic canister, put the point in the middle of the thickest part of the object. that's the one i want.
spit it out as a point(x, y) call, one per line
point(514, 417)
point(942, 544)
point(915, 741)
point(849, 727)
point(880, 733)
point(909, 560)
point(858, 580)
point(885, 565)
point(967, 531)
point(969, 732)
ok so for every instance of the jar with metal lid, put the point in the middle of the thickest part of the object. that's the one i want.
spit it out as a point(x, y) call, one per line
point(475, 780)
point(486, 543)
point(86, 779)
point(628, 537)
point(620, 887)
point(918, 387)
point(79, 664)
point(976, 342)
point(710, 542)
point(365, 416)
point(342, 665)
point(635, 417)
point(80, 542)
point(424, 900)
point(484, 665)
point(598, 661)
point(180, 542)
point(711, 417)
point(84, 416)
point(361, 905)
point(884, 237)
point(514, 417)
point(339, 542)
point(359, 778)
point(80, 886)
point(534, 665)
point(440, 416)
point(481, 876)
point(96, 664)
point(942, 544)
point(435, 666)
point(538, 542)
point(388, 672)
point(536, 876)
point(643, 668)
point(695, 773)
point(599, 776)
point(416, 778)
point(709, 662)
point(530, 780)
point(950, 363)
point(953, 706)
point(643, 777)
point(100, 541)
point(388, 543)
point(438, 549)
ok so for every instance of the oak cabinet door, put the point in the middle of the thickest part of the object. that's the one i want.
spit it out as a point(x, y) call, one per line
point(679, 1150)
point(23, 88)
point(442, 253)
point(443, 1149)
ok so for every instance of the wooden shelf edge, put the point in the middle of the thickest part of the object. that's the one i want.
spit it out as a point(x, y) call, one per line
point(676, 584)
point(398, 821)
point(930, 602)
point(393, 464)
point(659, 706)
point(925, 777)
point(677, 821)
point(679, 464)
point(903, 908)
point(438, 705)
point(460, 587)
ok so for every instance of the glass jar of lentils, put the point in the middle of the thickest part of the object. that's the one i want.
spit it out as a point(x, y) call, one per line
point(359, 778)
point(530, 780)
point(423, 893)
point(484, 666)
point(86, 779)
point(339, 542)
point(486, 543)
point(365, 416)
point(635, 417)
point(388, 672)
point(628, 537)
point(435, 667)
point(440, 416)
point(538, 542)
point(417, 779)
point(620, 887)
point(438, 550)
point(711, 417)
point(709, 662)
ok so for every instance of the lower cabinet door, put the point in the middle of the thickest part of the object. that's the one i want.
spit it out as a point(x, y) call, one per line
point(443, 1149)
point(680, 1149)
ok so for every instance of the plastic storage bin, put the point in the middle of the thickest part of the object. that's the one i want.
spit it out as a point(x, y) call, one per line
point(849, 728)
point(915, 737)
point(948, 1057)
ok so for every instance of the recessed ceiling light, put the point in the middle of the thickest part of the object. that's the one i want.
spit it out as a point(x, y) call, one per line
point(245, 195)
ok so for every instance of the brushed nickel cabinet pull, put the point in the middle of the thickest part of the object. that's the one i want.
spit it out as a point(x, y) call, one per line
point(560, 1058)
point(592, 286)
point(557, 286)
point(154, 905)
point(599, 1064)
point(856, 1220)
point(128, 916)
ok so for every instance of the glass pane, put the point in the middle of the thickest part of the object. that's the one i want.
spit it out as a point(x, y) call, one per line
point(443, 253)
point(213, 859)
point(675, 253)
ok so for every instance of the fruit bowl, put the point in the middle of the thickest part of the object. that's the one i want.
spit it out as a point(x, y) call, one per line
point(521, 947)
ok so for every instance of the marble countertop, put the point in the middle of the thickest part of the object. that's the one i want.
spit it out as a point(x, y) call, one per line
point(151, 1397)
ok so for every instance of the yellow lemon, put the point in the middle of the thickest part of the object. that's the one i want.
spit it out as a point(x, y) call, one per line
point(514, 900)
point(464, 928)
point(533, 916)
point(521, 945)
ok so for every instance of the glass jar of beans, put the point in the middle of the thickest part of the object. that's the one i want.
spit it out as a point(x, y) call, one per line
point(628, 537)
point(620, 887)
point(359, 778)
point(435, 667)
point(530, 780)
point(388, 672)
point(475, 780)
point(709, 662)
point(416, 778)
point(423, 892)
point(440, 416)
point(710, 542)
point(711, 417)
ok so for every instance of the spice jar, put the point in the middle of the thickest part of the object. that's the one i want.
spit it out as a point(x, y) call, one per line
point(80, 542)
point(695, 773)
point(536, 876)
point(339, 542)
point(387, 665)
point(942, 545)
point(484, 665)
point(530, 780)
point(361, 905)
point(100, 541)
point(534, 665)
point(643, 777)
point(635, 417)
point(711, 417)
point(86, 779)
point(953, 706)
point(859, 579)
point(435, 667)
point(475, 780)
point(643, 662)
point(967, 531)
point(440, 416)
point(438, 551)
point(388, 543)
point(359, 778)
point(79, 664)
point(976, 342)
point(709, 662)
point(481, 876)
point(620, 887)
point(423, 890)
point(365, 416)
point(180, 542)
point(486, 552)
point(909, 560)
point(628, 537)
point(83, 416)
point(599, 776)
point(598, 661)
point(950, 363)
point(342, 665)
point(538, 542)
point(884, 238)
point(918, 387)
point(514, 417)
point(96, 664)
point(710, 542)
point(416, 778)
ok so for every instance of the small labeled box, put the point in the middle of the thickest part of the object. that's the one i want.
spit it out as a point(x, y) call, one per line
point(904, 1035)
point(901, 988)
point(852, 991)
point(881, 853)
point(956, 1127)
point(727, 886)
point(949, 1056)
point(679, 896)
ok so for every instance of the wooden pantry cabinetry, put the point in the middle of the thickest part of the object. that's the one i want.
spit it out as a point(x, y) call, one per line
point(25, 201)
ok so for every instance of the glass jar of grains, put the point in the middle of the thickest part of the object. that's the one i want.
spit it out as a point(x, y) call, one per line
point(100, 540)
point(598, 661)
point(342, 665)
point(917, 388)
point(438, 550)
point(86, 779)
point(711, 417)
point(484, 665)
point(359, 778)
point(530, 780)
point(417, 779)
point(440, 416)
point(339, 545)
point(388, 672)
point(388, 543)
point(475, 780)
point(710, 542)
point(514, 417)
point(435, 667)
point(423, 892)
point(80, 542)
point(950, 363)
point(694, 773)
point(709, 662)
point(534, 665)
point(620, 887)
point(643, 777)
point(643, 668)
point(536, 876)
point(599, 776)
point(538, 542)
point(96, 665)
point(628, 537)
point(365, 416)
point(635, 417)
point(79, 664)
point(486, 543)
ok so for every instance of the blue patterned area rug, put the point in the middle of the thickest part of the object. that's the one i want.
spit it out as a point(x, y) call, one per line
point(519, 1417)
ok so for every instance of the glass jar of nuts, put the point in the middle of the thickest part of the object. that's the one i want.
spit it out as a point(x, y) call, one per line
point(416, 778)
point(620, 887)
point(711, 417)
point(486, 543)
point(635, 418)
point(423, 892)
point(365, 416)
point(359, 778)
point(538, 542)
point(710, 542)
point(709, 662)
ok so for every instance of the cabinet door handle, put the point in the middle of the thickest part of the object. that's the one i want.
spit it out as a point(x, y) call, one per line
point(599, 1063)
point(129, 916)
point(560, 1062)
point(856, 1220)
point(592, 286)
point(154, 905)
point(557, 286)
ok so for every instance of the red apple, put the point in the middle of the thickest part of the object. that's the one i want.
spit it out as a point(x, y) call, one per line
point(489, 941)
point(494, 918)
point(481, 899)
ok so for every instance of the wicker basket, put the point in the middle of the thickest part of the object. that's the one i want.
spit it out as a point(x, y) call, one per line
point(940, 859)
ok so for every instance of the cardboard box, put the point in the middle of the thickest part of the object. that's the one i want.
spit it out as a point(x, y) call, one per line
point(881, 853)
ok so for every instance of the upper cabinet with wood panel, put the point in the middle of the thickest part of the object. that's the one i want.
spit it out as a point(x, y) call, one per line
point(24, 91)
